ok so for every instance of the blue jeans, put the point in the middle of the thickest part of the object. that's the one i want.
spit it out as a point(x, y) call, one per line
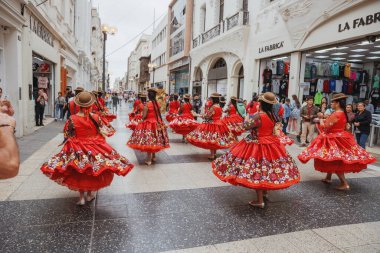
point(361, 138)
point(59, 111)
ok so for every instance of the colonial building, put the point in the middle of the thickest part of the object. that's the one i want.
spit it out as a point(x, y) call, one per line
point(159, 71)
point(132, 73)
point(96, 49)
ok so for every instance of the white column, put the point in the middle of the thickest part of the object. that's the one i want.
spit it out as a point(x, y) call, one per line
point(296, 73)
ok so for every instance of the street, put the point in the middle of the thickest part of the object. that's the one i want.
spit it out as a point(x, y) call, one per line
point(178, 205)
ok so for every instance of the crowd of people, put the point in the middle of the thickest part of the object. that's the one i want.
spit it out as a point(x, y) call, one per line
point(255, 135)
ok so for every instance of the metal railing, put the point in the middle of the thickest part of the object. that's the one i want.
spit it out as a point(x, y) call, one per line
point(239, 19)
point(210, 34)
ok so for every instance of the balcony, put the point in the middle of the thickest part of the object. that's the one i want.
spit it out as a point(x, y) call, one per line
point(239, 19)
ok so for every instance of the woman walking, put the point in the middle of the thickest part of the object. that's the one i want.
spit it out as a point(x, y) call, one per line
point(234, 120)
point(184, 123)
point(173, 108)
point(136, 116)
point(335, 149)
point(86, 162)
point(212, 134)
point(150, 135)
point(259, 161)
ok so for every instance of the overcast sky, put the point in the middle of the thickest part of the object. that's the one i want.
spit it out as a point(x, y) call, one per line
point(130, 17)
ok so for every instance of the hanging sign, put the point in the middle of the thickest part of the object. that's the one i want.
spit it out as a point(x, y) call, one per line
point(40, 30)
point(360, 22)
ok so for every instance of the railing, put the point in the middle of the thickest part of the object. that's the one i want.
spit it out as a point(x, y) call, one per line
point(233, 21)
point(239, 19)
point(210, 34)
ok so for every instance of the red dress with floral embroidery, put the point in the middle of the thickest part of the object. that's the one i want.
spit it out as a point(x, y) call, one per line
point(258, 161)
point(234, 121)
point(212, 134)
point(173, 110)
point(136, 107)
point(98, 110)
point(137, 117)
point(335, 150)
point(150, 135)
point(184, 123)
point(103, 110)
point(86, 162)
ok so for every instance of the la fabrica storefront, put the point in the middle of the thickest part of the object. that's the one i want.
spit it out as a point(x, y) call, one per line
point(324, 46)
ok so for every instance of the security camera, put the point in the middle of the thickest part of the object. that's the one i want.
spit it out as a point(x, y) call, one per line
point(371, 39)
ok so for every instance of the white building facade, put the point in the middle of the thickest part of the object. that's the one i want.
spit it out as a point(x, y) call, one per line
point(96, 50)
point(159, 76)
point(132, 73)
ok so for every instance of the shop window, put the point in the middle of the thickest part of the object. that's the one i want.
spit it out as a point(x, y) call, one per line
point(221, 63)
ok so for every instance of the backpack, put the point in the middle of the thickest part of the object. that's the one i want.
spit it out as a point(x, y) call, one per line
point(241, 109)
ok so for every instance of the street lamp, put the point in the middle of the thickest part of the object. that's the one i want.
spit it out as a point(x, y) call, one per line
point(153, 67)
point(106, 29)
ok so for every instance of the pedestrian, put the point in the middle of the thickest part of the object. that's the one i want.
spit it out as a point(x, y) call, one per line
point(197, 105)
point(335, 149)
point(59, 104)
point(278, 112)
point(308, 113)
point(213, 133)
point(362, 123)
point(9, 153)
point(115, 102)
point(184, 123)
point(350, 114)
point(369, 107)
point(234, 120)
point(40, 107)
point(285, 119)
point(259, 161)
point(97, 163)
point(293, 123)
point(73, 107)
point(150, 135)
point(173, 108)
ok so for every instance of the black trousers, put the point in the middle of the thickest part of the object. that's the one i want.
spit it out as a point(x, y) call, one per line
point(39, 112)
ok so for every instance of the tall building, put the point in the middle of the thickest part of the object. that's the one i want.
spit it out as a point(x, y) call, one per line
point(159, 71)
point(180, 16)
point(132, 73)
point(96, 49)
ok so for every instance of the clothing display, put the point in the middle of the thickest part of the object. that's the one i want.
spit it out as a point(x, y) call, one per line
point(347, 70)
point(258, 161)
point(335, 149)
point(376, 80)
point(212, 134)
point(267, 76)
point(338, 85)
point(280, 67)
point(318, 98)
point(276, 86)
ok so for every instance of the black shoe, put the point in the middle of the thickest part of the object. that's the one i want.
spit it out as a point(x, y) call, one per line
point(37, 124)
point(298, 138)
point(42, 124)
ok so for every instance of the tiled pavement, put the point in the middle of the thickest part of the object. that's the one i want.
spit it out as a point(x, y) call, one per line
point(178, 204)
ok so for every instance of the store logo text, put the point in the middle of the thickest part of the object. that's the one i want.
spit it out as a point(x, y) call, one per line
point(271, 47)
point(356, 23)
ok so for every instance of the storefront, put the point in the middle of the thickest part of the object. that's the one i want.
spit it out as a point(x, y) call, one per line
point(217, 78)
point(275, 75)
point(351, 68)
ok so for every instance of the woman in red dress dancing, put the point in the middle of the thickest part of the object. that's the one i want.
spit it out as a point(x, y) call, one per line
point(259, 161)
point(184, 123)
point(335, 149)
point(234, 120)
point(150, 135)
point(213, 133)
point(173, 108)
point(278, 112)
point(86, 162)
point(136, 106)
point(100, 108)
point(136, 116)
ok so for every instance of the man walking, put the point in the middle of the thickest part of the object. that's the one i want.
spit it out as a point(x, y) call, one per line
point(197, 105)
point(59, 103)
point(287, 112)
point(115, 101)
point(308, 113)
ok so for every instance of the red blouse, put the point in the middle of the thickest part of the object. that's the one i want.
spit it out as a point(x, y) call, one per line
point(174, 106)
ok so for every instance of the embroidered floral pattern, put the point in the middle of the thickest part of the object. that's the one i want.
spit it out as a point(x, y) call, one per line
point(183, 125)
point(149, 137)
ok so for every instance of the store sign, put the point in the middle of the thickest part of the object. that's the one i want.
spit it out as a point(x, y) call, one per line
point(271, 47)
point(360, 22)
point(40, 30)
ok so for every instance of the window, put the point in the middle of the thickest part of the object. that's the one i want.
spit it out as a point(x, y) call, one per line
point(221, 10)
point(245, 5)
point(221, 63)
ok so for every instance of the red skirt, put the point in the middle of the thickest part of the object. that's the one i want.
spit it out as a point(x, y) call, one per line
point(86, 165)
point(336, 153)
point(170, 116)
point(134, 122)
point(284, 139)
point(235, 123)
point(260, 164)
point(149, 137)
point(110, 117)
point(183, 124)
point(212, 135)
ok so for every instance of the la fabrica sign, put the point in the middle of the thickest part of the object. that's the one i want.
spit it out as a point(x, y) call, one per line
point(271, 47)
point(360, 22)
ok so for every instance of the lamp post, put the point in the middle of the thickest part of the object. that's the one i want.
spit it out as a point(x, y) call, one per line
point(106, 30)
point(153, 67)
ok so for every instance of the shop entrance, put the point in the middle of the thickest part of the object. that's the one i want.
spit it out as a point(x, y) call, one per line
point(351, 68)
point(217, 78)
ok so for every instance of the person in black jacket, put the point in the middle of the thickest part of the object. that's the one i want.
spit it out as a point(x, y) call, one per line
point(362, 121)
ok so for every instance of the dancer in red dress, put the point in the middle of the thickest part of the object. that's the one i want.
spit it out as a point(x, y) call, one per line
point(184, 123)
point(136, 106)
point(173, 108)
point(253, 106)
point(136, 118)
point(279, 111)
point(150, 135)
point(212, 134)
point(208, 104)
point(335, 149)
point(259, 161)
point(74, 108)
point(86, 162)
point(234, 120)
point(98, 109)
